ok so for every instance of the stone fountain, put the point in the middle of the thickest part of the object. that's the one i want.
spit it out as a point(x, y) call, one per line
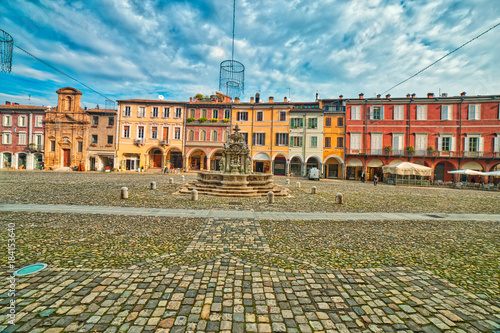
point(236, 177)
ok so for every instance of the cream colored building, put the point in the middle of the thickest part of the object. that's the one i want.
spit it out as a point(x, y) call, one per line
point(150, 134)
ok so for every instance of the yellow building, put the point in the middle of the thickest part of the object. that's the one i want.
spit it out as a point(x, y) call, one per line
point(266, 128)
point(334, 133)
point(150, 134)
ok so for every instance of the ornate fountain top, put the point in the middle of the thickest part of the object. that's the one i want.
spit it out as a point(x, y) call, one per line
point(236, 155)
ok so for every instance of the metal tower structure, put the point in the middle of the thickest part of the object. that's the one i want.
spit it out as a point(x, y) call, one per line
point(6, 46)
point(232, 72)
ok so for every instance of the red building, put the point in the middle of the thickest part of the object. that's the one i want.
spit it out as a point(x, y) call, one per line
point(23, 133)
point(444, 133)
point(207, 128)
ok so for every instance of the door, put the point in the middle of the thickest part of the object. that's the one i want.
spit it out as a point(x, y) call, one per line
point(259, 166)
point(157, 160)
point(66, 157)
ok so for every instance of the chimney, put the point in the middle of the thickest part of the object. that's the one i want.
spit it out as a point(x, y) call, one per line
point(190, 99)
point(257, 98)
point(388, 96)
point(251, 100)
point(236, 99)
point(285, 100)
point(378, 95)
point(413, 95)
point(407, 95)
point(361, 96)
point(317, 96)
point(271, 99)
point(341, 96)
point(430, 95)
point(7, 103)
point(462, 93)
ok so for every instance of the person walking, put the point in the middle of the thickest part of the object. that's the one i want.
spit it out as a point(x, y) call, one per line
point(375, 180)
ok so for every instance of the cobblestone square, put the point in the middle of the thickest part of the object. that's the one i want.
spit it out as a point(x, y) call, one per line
point(150, 268)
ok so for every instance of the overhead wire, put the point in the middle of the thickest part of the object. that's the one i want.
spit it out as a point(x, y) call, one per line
point(435, 62)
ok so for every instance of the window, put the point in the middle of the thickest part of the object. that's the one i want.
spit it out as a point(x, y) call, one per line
point(21, 121)
point(397, 143)
point(398, 112)
point(95, 121)
point(226, 136)
point(22, 138)
point(154, 132)
point(245, 137)
point(215, 114)
point(204, 113)
point(296, 123)
point(52, 145)
point(192, 113)
point(340, 142)
point(202, 135)
point(38, 139)
point(7, 120)
point(340, 122)
point(356, 112)
point(421, 112)
point(376, 143)
point(79, 146)
point(473, 144)
point(111, 121)
point(94, 139)
point(328, 122)
point(110, 139)
point(140, 132)
point(281, 139)
point(242, 116)
point(420, 144)
point(446, 112)
point(376, 112)
point(154, 113)
point(314, 141)
point(214, 136)
point(227, 114)
point(260, 116)
point(38, 121)
point(6, 138)
point(328, 142)
point(141, 112)
point(191, 135)
point(446, 144)
point(474, 111)
point(126, 131)
point(178, 113)
point(282, 115)
point(259, 139)
point(356, 141)
point(126, 113)
point(296, 141)
point(312, 123)
point(177, 133)
point(164, 134)
point(166, 112)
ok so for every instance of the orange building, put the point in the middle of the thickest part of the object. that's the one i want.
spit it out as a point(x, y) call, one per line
point(334, 133)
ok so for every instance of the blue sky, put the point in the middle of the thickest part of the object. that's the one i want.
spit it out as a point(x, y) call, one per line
point(297, 48)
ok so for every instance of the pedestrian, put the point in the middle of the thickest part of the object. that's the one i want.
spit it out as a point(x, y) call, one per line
point(375, 180)
point(363, 176)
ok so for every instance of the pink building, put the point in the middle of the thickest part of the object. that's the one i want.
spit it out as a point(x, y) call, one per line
point(444, 133)
point(22, 128)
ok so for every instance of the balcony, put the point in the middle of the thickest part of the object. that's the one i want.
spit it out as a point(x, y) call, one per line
point(139, 142)
point(423, 153)
point(33, 148)
point(334, 108)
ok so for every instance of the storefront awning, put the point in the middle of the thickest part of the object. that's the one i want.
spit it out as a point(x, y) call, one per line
point(376, 163)
point(354, 163)
point(262, 157)
point(473, 166)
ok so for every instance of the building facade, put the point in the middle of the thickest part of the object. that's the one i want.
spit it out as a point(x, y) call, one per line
point(102, 140)
point(206, 130)
point(149, 134)
point(334, 138)
point(22, 129)
point(66, 132)
point(444, 133)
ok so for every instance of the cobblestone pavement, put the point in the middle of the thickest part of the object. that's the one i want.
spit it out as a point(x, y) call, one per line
point(229, 291)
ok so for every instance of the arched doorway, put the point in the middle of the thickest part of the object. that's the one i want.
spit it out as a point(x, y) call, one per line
point(279, 165)
point(332, 168)
point(214, 160)
point(197, 160)
point(21, 161)
point(174, 159)
point(156, 157)
point(262, 163)
point(374, 167)
point(296, 167)
point(312, 162)
point(38, 161)
point(441, 171)
point(7, 160)
point(354, 168)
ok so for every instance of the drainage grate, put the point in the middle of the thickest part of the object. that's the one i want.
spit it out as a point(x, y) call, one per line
point(328, 300)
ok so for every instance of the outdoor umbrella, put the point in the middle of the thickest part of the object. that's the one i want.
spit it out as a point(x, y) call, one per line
point(468, 172)
point(492, 173)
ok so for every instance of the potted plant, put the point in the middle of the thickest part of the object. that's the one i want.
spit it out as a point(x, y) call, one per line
point(142, 168)
point(388, 149)
point(202, 119)
point(214, 120)
point(431, 150)
point(410, 150)
point(190, 120)
point(226, 120)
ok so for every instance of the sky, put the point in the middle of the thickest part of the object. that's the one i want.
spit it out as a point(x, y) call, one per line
point(295, 48)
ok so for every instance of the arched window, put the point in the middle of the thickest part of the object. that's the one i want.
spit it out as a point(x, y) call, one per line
point(191, 135)
point(67, 103)
point(203, 135)
point(226, 135)
point(214, 136)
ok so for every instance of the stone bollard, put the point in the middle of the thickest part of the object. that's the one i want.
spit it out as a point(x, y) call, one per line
point(124, 194)
point(287, 181)
point(270, 197)
point(194, 195)
point(170, 180)
point(297, 184)
point(339, 198)
point(182, 178)
point(153, 185)
point(314, 190)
